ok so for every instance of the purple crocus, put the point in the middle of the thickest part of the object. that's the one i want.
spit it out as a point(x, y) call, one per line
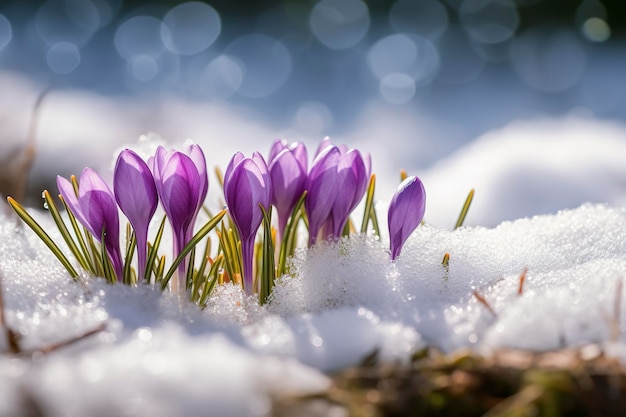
point(352, 178)
point(406, 211)
point(288, 173)
point(182, 183)
point(95, 208)
point(321, 186)
point(329, 207)
point(136, 194)
point(247, 186)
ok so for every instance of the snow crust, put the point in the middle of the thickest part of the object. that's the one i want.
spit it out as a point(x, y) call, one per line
point(341, 302)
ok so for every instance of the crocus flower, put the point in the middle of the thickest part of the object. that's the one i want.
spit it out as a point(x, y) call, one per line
point(136, 194)
point(95, 208)
point(321, 187)
point(352, 178)
point(288, 173)
point(182, 183)
point(247, 186)
point(406, 211)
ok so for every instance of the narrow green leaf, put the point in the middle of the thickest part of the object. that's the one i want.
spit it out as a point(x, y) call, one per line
point(369, 203)
point(32, 223)
point(212, 278)
point(288, 241)
point(160, 269)
point(109, 273)
point(152, 251)
point(464, 210)
point(79, 237)
point(220, 177)
point(190, 265)
point(130, 251)
point(210, 225)
point(268, 271)
point(65, 233)
point(95, 253)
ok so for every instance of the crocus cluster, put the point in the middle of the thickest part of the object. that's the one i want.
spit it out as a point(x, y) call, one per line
point(323, 192)
point(178, 179)
point(250, 183)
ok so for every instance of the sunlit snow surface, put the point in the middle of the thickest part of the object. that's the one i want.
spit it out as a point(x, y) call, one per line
point(159, 356)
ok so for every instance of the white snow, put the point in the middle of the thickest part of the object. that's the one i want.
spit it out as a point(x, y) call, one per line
point(342, 301)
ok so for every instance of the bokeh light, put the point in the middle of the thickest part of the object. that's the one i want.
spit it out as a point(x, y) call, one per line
point(340, 24)
point(265, 63)
point(427, 18)
point(6, 32)
point(144, 67)
point(412, 55)
point(489, 21)
point(221, 78)
point(190, 28)
point(596, 29)
point(63, 57)
point(314, 118)
point(397, 88)
point(139, 35)
point(549, 61)
point(460, 63)
point(72, 21)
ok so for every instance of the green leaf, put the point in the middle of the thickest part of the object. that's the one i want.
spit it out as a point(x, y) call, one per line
point(190, 265)
point(65, 233)
point(152, 251)
point(109, 273)
point(369, 204)
point(464, 210)
point(32, 223)
point(79, 237)
point(288, 242)
point(212, 278)
point(268, 273)
point(210, 225)
point(130, 251)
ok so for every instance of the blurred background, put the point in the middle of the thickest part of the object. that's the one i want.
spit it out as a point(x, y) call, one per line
point(411, 81)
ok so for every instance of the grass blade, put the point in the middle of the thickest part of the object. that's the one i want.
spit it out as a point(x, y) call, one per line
point(212, 278)
point(109, 273)
point(466, 206)
point(210, 225)
point(79, 237)
point(130, 251)
point(152, 251)
point(288, 242)
point(32, 223)
point(65, 233)
point(268, 271)
point(369, 204)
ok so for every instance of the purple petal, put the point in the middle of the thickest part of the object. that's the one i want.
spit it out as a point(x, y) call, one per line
point(236, 159)
point(325, 143)
point(277, 147)
point(244, 190)
point(197, 156)
point(180, 190)
point(99, 208)
point(406, 211)
point(71, 199)
point(321, 186)
point(135, 189)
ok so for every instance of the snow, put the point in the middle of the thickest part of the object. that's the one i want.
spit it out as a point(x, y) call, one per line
point(549, 200)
